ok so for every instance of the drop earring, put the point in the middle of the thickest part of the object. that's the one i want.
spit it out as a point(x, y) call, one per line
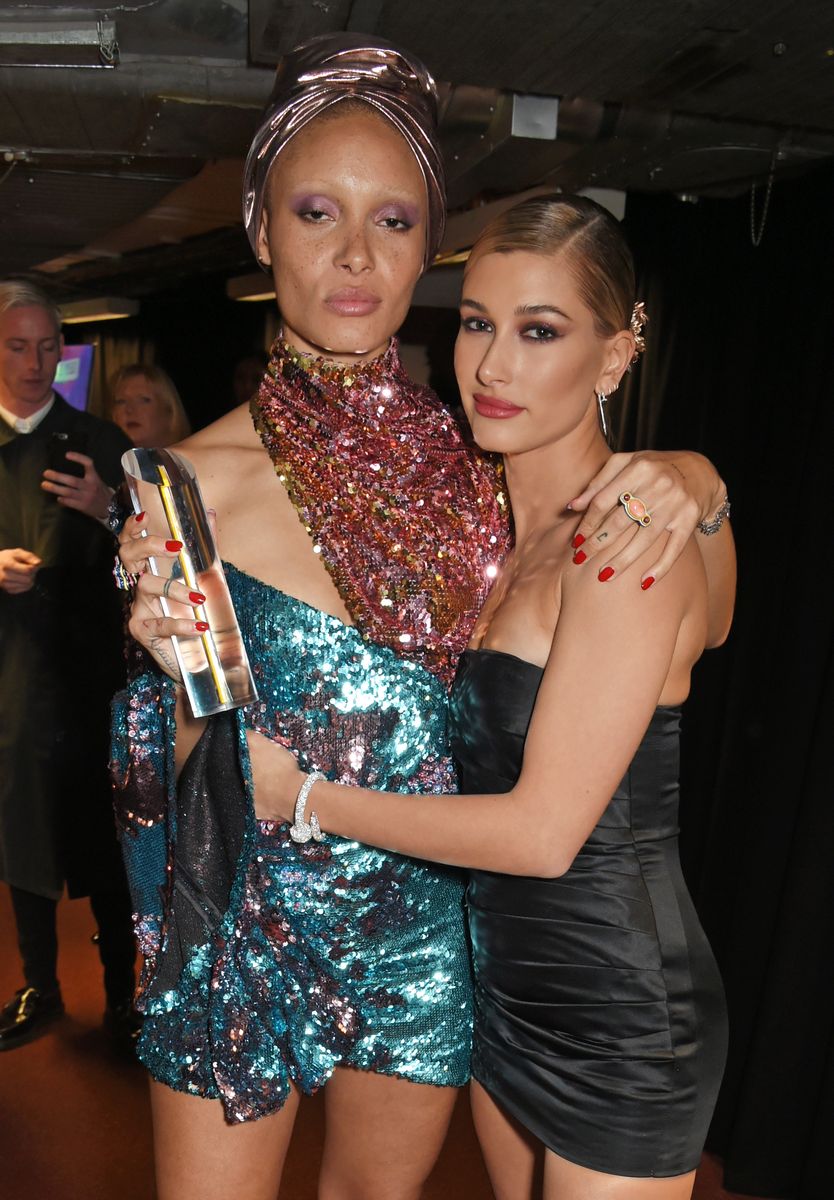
point(602, 400)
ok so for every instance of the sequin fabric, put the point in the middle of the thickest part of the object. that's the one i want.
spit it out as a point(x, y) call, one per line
point(142, 772)
point(409, 522)
point(331, 953)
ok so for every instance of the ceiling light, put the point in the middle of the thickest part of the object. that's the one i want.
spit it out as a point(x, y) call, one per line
point(256, 286)
point(535, 117)
point(105, 308)
point(54, 44)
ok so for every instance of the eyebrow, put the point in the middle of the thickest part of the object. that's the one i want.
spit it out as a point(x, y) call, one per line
point(53, 337)
point(523, 310)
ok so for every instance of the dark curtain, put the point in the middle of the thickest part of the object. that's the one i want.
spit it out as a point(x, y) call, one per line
point(195, 332)
point(740, 366)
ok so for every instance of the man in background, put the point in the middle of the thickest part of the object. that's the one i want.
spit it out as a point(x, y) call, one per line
point(60, 663)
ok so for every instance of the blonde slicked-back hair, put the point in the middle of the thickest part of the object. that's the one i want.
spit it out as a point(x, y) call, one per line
point(591, 240)
point(19, 293)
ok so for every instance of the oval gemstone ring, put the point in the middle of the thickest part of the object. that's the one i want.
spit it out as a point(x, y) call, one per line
point(635, 509)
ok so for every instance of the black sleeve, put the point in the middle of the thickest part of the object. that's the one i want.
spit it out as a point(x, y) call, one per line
point(106, 445)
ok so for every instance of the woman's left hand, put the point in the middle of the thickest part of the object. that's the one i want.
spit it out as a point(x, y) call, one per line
point(87, 493)
point(678, 488)
point(276, 776)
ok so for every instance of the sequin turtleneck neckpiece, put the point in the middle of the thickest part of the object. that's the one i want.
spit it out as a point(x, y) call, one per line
point(410, 523)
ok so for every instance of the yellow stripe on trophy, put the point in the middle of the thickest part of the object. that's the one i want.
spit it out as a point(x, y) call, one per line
point(224, 695)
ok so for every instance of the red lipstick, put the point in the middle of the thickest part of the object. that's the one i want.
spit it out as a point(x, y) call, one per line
point(491, 406)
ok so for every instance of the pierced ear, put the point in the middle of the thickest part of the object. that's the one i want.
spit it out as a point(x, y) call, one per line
point(621, 351)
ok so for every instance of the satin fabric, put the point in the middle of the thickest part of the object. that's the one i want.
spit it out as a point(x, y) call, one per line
point(600, 1021)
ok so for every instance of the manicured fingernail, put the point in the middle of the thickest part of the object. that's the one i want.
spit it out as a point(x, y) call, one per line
point(578, 540)
point(196, 597)
point(140, 517)
point(647, 582)
point(605, 574)
point(201, 626)
point(173, 547)
point(579, 557)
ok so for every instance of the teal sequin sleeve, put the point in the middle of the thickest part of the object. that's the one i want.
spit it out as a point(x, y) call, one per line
point(325, 954)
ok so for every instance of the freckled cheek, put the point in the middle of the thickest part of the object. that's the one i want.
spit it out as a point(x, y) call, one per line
point(299, 278)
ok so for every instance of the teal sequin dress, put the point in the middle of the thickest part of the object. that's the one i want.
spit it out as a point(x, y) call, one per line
point(267, 963)
point(327, 953)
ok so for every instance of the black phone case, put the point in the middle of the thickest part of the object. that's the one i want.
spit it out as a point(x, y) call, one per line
point(59, 444)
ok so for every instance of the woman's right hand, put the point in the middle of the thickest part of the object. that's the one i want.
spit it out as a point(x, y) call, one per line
point(148, 624)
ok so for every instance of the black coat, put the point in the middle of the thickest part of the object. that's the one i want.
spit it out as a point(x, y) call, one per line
point(61, 660)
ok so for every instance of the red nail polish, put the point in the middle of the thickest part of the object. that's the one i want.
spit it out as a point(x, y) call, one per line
point(578, 540)
point(140, 517)
point(647, 582)
point(196, 598)
point(579, 557)
point(173, 547)
point(201, 626)
point(605, 574)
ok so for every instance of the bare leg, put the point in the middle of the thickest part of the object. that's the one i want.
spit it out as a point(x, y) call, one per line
point(383, 1135)
point(566, 1181)
point(513, 1157)
point(199, 1156)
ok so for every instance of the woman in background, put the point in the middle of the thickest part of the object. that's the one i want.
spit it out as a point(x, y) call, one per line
point(145, 403)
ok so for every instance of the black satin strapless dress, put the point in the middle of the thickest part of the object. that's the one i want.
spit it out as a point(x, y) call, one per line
point(600, 1020)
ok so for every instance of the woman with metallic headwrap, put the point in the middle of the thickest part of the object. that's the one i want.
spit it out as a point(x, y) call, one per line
point(361, 537)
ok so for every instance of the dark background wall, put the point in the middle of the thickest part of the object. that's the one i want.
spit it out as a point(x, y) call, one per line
point(740, 366)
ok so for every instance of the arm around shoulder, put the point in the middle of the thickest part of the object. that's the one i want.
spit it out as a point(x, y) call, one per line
point(616, 655)
point(610, 661)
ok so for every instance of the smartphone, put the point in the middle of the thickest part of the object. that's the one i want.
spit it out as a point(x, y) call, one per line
point(59, 444)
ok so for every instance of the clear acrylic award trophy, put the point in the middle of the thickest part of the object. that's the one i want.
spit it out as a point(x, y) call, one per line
point(214, 666)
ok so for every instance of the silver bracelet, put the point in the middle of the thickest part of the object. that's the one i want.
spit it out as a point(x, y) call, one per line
point(708, 528)
point(302, 831)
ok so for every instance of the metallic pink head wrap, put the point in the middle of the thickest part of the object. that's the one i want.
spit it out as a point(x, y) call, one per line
point(333, 67)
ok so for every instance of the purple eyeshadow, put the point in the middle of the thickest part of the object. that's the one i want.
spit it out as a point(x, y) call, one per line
point(409, 213)
point(307, 201)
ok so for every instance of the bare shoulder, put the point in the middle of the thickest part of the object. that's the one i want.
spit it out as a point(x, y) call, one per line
point(234, 430)
point(681, 592)
point(224, 452)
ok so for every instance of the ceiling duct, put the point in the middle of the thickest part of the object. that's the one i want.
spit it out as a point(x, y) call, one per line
point(54, 44)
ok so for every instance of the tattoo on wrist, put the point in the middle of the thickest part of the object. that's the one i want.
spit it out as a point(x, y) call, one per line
point(159, 648)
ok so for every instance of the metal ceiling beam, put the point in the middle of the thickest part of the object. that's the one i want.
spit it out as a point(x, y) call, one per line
point(59, 43)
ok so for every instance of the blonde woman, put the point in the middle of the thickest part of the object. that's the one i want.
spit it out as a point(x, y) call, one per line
point(145, 403)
